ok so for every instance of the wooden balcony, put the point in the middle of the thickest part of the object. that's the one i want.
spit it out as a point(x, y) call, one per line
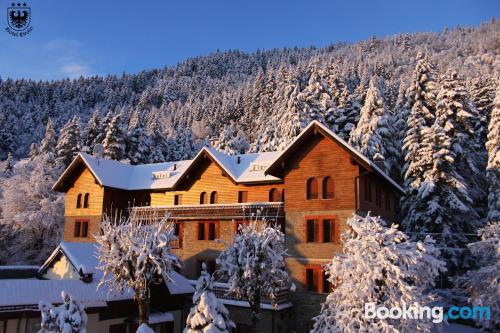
point(240, 211)
point(221, 291)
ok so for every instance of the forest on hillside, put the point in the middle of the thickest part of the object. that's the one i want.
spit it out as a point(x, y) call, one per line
point(420, 104)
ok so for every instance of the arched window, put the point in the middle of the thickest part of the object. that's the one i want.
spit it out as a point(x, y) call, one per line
point(328, 189)
point(274, 195)
point(213, 197)
point(312, 188)
point(79, 201)
point(86, 201)
point(203, 198)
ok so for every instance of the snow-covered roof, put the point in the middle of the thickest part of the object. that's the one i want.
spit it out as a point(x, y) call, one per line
point(83, 257)
point(244, 168)
point(30, 291)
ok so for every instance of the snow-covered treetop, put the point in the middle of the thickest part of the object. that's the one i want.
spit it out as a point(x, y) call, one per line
point(134, 253)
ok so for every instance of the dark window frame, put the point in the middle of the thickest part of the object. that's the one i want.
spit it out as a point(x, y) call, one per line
point(86, 200)
point(242, 196)
point(214, 198)
point(327, 192)
point(312, 190)
point(79, 200)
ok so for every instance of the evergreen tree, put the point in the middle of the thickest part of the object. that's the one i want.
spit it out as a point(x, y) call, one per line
point(422, 108)
point(136, 147)
point(48, 144)
point(344, 118)
point(8, 166)
point(493, 167)
point(102, 129)
point(33, 151)
point(68, 144)
point(482, 93)
point(373, 135)
point(114, 142)
point(231, 141)
point(208, 313)
point(157, 142)
point(93, 131)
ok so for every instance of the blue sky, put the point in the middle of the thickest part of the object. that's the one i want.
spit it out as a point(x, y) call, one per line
point(87, 37)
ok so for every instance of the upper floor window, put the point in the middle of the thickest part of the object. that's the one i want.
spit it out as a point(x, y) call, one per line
point(242, 196)
point(81, 228)
point(328, 189)
point(178, 227)
point(178, 199)
point(312, 188)
point(213, 197)
point(79, 201)
point(208, 230)
point(203, 198)
point(86, 201)
point(274, 195)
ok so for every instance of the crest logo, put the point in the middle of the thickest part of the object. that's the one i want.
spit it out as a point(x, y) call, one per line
point(19, 19)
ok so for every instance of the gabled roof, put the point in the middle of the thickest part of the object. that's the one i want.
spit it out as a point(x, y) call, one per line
point(316, 126)
point(83, 258)
point(241, 169)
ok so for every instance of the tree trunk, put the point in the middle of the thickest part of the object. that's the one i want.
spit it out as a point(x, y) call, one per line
point(255, 315)
point(143, 303)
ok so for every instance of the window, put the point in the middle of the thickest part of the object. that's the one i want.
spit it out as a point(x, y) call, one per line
point(324, 229)
point(81, 228)
point(79, 201)
point(312, 188)
point(328, 188)
point(274, 195)
point(311, 231)
point(3, 326)
point(213, 197)
point(178, 199)
point(283, 195)
point(208, 230)
point(242, 196)
point(203, 198)
point(316, 280)
point(86, 201)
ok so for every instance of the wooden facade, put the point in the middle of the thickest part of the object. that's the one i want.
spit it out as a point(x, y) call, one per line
point(321, 185)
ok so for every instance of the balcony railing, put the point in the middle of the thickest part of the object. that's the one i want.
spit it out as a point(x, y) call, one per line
point(221, 289)
point(241, 211)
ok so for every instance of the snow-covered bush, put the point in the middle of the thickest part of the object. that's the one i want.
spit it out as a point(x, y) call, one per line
point(254, 264)
point(208, 314)
point(378, 264)
point(134, 254)
point(482, 286)
point(69, 317)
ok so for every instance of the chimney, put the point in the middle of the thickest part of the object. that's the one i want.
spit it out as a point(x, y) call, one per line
point(378, 159)
point(214, 142)
point(175, 166)
point(238, 159)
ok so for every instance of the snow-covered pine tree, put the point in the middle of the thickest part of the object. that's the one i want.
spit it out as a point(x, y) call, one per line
point(378, 265)
point(137, 144)
point(106, 121)
point(48, 143)
point(158, 142)
point(93, 132)
point(232, 141)
point(134, 254)
point(317, 97)
point(33, 151)
point(421, 97)
point(208, 313)
point(8, 166)
point(114, 142)
point(344, 118)
point(68, 143)
point(482, 286)
point(182, 145)
point(373, 135)
point(482, 93)
point(254, 265)
point(493, 167)
point(69, 317)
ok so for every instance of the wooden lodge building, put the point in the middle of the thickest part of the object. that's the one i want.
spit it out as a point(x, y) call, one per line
point(312, 187)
